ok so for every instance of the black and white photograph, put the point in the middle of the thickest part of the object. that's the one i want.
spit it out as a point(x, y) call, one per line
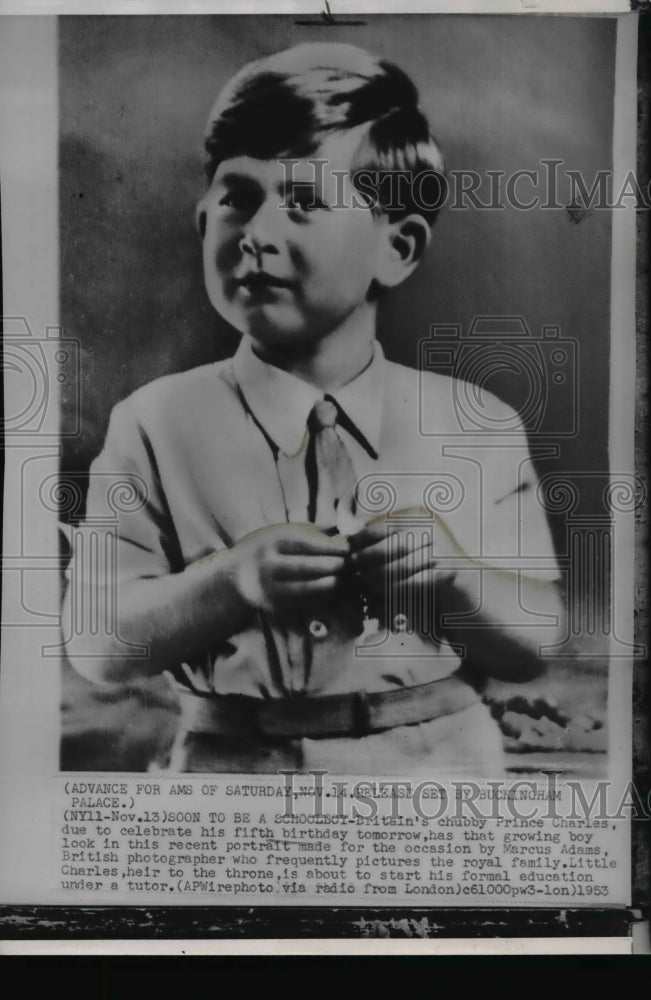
point(364, 457)
point(321, 381)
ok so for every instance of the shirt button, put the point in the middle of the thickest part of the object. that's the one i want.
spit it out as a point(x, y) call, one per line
point(317, 629)
point(400, 623)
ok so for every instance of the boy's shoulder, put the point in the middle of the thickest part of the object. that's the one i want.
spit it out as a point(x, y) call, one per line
point(181, 392)
point(442, 400)
point(415, 398)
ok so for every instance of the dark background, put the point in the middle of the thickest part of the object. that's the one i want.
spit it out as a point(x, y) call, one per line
point(501, 93)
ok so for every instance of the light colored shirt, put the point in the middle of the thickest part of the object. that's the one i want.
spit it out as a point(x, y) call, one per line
point(282, 403)
point(218, 451)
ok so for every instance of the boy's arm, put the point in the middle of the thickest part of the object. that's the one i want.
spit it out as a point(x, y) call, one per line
point(491, 613)
point(141, 610)
point(169, 618)
point(180, 615)
point(508, 586)
point(142, 594)
point(501, 614)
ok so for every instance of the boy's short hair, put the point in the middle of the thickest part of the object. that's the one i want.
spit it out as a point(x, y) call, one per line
point(287, 104)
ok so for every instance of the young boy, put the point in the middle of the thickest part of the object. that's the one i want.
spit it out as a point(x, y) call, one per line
point(301, 631)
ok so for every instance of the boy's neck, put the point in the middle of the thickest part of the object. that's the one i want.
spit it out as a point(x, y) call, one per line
point(333, 360)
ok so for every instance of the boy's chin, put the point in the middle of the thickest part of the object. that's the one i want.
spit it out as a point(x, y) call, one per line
point(278, 337)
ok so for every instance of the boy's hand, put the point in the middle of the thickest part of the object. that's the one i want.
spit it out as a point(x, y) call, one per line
point(387, 554)
point(287, 565)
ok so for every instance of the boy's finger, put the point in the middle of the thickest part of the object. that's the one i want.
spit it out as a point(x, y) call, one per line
point(400, 570)
point(378, 527)
point(415, 563)
point(310, 588)
point(313, 543)
point(388, 550)
point(368, 535)
point(309, 567)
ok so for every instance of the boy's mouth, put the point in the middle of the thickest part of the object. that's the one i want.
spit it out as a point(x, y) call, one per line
point(261, 280)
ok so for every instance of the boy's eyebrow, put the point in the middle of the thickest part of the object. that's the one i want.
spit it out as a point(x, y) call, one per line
point(232, 178)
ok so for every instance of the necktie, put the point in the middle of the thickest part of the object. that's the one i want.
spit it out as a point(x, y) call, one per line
point(330, 473)
point(332, 504)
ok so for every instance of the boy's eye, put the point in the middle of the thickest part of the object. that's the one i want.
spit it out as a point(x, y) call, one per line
point(240, 201)
point(304, 199)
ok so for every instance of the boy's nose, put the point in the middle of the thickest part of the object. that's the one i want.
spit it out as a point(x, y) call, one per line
point(259, 234)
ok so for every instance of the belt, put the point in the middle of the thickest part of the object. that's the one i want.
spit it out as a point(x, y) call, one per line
point(355, 714)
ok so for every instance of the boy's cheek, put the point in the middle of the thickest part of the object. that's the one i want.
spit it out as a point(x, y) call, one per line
point(216, 280)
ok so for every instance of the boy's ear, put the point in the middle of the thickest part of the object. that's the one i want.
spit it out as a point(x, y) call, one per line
point(405, 244)
point(200, 219)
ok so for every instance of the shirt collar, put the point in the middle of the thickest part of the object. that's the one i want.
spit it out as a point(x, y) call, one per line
point(282, 402)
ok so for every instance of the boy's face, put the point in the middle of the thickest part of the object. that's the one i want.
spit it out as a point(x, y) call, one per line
point(283, 261)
